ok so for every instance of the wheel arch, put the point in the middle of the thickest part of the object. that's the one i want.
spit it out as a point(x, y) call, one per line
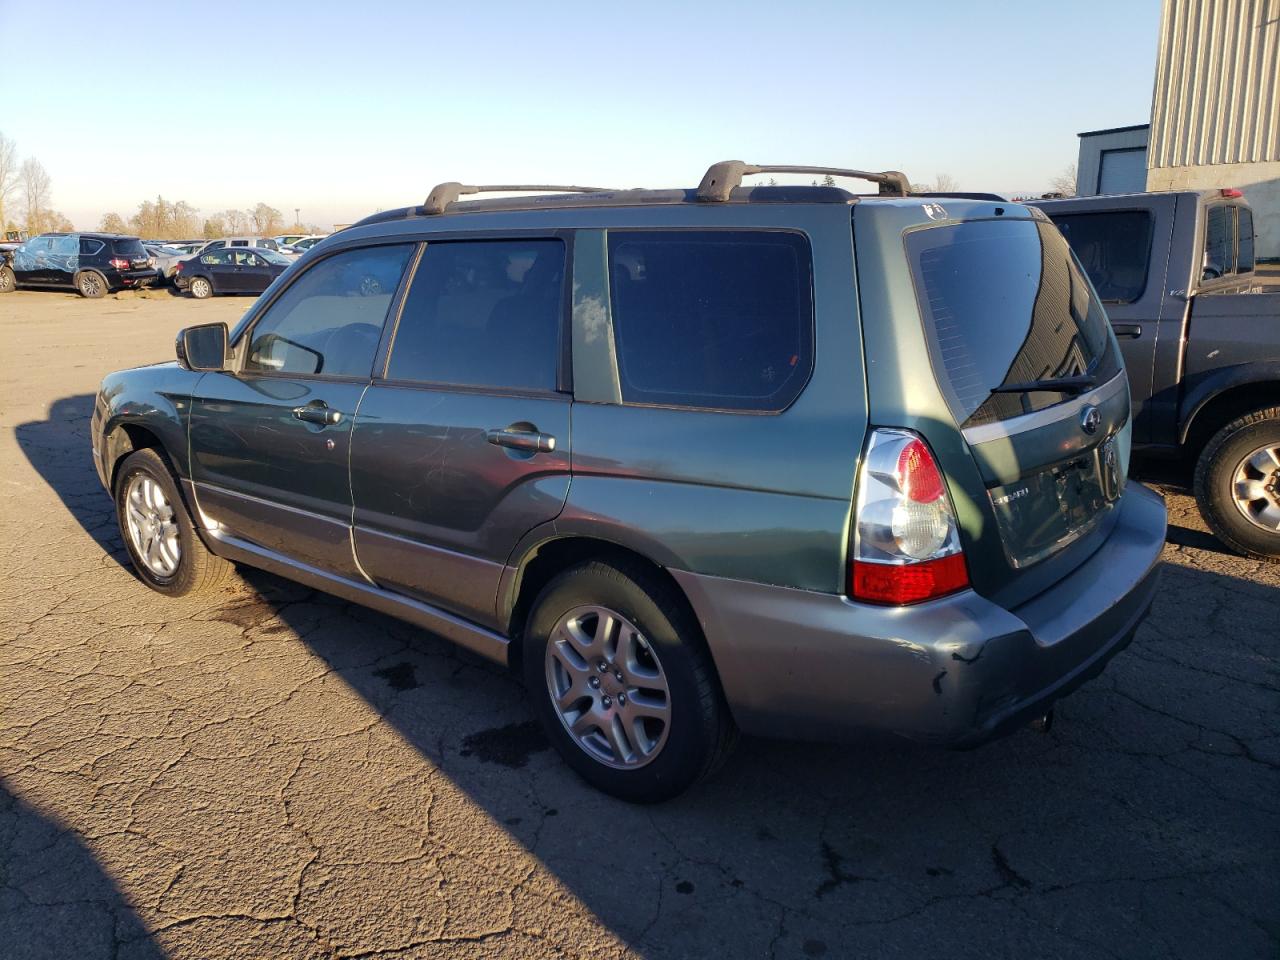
point(1222, 397)
point(126, 438)
point(541, 562)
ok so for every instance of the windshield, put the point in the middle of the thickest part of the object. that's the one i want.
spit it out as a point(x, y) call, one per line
point(1005, 302)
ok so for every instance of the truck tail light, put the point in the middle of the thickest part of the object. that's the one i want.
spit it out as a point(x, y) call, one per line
point(119, 263)
point(1232, 192)
point(906, 542)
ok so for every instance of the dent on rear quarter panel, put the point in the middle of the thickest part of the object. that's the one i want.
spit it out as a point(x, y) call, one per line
point(157, 398)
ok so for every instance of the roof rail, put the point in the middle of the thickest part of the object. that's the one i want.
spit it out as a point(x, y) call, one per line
point(443, 194)
point(720, 179)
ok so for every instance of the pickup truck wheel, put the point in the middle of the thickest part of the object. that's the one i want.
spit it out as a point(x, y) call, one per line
point(1237, 484)
point(8, 282)
point(167, 554)
point(200, 288)
point(91, 284)
point(622, 682)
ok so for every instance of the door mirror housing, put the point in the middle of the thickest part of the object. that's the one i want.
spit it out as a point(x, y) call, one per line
point(203, 347)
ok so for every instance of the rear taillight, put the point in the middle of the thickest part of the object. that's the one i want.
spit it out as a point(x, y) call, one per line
point(906, 543)
point(177, 267)
point(119, 263)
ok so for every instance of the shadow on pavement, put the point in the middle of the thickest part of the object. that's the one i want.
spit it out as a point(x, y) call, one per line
point(1143, 824)
point(56, 901)
point(58, 447)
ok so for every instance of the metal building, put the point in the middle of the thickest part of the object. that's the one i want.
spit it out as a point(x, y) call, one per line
point(1215, 109)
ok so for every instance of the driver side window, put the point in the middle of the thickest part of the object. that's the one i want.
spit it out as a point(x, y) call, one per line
point(329, 320)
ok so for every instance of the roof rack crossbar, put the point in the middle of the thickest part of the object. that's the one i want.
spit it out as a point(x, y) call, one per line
point(721, 178)
point(443, 194)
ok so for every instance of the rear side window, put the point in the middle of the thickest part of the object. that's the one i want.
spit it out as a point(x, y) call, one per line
point(483, 313)
point(1219, 242)
point(1003, 303)
point(329, 321)
point(1246, 240)
point(712, 319)
point(1114, 249)
point(130, 247)
point(90, 247)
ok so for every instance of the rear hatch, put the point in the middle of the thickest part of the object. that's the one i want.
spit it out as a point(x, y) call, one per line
point(131, 249)
point(1027, 368)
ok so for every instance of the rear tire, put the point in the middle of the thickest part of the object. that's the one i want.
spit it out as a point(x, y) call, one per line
point(8, 282)
point(91, 284)
point(636, 760)
point(200, 288)
point(1237, 484)
point(166, 551)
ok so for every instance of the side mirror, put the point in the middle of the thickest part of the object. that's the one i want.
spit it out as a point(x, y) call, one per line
point(203, 347)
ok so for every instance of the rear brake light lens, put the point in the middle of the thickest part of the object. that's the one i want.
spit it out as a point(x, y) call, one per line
point(1232, 192)
point(906, 543)
point(119, 263)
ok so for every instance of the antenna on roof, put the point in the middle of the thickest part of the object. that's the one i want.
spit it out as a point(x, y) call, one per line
point(721, 178)
point(443, 194)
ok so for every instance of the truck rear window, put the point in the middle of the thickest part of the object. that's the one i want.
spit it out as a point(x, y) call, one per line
point(1114, 249)
point(1004, 302)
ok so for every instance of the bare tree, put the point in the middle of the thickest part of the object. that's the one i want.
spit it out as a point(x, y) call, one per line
point(35, 193)
point(266, 220)
point(943, 183)
point(186, 220)
point(1065, 182)
point(215, 226)
point(236, 221)
point(8, 172)
point(113, 223)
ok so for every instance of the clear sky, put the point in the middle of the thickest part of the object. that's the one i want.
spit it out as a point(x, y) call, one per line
point(342, 108)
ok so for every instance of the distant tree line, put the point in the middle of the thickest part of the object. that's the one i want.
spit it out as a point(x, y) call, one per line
point(161, 219)
point(25, 193)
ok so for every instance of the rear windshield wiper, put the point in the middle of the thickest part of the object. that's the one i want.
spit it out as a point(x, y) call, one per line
point(1073, 385)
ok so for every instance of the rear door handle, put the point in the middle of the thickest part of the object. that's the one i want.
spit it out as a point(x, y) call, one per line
point(1127, 330)
point(317, 411)
point(528, 440)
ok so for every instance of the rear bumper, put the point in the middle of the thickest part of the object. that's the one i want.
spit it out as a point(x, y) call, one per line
point(956, 671)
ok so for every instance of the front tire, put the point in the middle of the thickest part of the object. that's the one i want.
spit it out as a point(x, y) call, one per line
point(8, 282)
point(200, 288)
point(1237, 484)
point(622, 682)
point(92, 285)
point(167, 554)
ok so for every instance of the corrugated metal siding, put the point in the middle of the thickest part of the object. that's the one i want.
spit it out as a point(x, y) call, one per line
point(1217, 90)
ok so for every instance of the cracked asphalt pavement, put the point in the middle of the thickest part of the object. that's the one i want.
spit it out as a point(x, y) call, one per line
point(270, 772)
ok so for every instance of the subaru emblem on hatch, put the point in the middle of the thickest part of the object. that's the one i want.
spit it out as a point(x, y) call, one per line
point(1090, 419)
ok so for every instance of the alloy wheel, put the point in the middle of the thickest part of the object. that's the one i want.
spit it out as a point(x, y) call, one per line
point(153, 526)
point(90, 284)
point(1255, 487)
point(607, 687)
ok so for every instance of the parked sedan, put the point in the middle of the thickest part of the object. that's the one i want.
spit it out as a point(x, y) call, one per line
point(230, 270)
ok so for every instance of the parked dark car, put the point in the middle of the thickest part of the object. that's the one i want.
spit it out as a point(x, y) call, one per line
point(93, 263)
point(781, 459)
point(1200, 333)
point(229, 270)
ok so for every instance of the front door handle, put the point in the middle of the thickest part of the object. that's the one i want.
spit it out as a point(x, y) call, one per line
point(528, 440)
point(1130, 331)
point(317, 411)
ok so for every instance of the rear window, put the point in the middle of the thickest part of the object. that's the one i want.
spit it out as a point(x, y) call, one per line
point(89, 247)
point(129, 247)
point(712, 319)
point(1246, 240)
point(1219, 243)
point(1004, 302)
point(1114, 249)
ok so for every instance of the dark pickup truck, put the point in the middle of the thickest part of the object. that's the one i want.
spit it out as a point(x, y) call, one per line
point(1200, 334)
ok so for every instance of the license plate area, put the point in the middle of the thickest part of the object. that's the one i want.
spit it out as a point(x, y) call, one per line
point(1043, 512)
